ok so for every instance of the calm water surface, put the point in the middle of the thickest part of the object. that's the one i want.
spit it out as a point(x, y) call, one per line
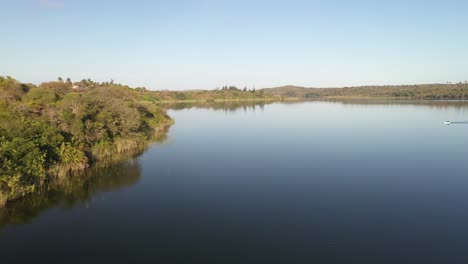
point(313, 182)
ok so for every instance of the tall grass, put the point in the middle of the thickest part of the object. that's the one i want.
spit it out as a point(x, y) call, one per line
point(125, 144)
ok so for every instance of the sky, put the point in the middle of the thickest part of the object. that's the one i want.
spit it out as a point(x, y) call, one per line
point(183, 44)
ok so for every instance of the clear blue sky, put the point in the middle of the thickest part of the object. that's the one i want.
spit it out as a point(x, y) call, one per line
point(181, 44)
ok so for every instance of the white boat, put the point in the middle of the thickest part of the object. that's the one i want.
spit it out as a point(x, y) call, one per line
point(447, 123)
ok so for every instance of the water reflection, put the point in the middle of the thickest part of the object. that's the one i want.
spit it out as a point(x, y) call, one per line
point(73, 191)
point(436, 104)
point(226, 106)
point(232, 106)
point(318, 182)
point(114, 173)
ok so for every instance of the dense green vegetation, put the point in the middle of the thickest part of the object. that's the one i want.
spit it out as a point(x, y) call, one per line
point(457, 91)
point(60, 128)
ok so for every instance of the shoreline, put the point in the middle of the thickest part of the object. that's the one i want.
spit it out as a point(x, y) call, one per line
point(55, 175)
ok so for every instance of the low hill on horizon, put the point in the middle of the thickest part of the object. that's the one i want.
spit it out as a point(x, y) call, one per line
point(457, 91)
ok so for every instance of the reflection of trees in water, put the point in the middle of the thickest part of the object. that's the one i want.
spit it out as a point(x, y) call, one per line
point(116, 177)
point(439, 104)
point(162, 136)
point(118, 172)
point(227, 106)
point(460, 107)
point(232, 106)
point(72, 191)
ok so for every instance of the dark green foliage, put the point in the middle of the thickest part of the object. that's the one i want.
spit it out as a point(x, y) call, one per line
point(28, 148)
point(40, 97)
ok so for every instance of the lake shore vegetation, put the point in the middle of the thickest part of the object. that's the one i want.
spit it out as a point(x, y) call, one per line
point(58, 129)
point(61, 128)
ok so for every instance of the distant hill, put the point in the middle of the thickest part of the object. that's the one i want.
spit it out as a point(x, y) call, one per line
point(421, 91)
point(289, 91)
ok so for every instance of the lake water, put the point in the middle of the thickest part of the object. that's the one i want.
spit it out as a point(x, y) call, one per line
point(312, 182)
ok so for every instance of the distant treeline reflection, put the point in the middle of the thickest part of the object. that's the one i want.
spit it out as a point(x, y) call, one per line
point(231, 106)
point(227, 106)
point(459, 104)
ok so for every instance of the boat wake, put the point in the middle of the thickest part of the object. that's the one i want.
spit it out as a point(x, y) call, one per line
point(456, 122)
